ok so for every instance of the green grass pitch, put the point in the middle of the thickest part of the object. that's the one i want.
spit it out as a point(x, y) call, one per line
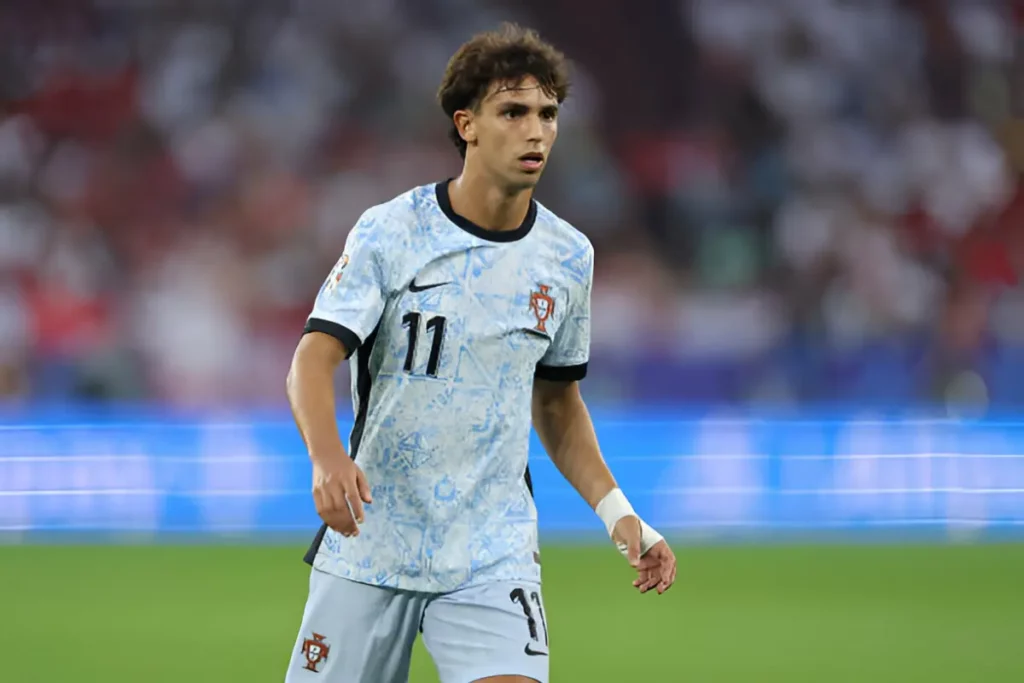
point(749, 614)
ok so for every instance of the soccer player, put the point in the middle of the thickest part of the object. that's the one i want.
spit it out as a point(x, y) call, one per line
point(466, 305)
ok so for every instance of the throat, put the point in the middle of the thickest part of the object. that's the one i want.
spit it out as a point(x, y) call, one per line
point(489, 206)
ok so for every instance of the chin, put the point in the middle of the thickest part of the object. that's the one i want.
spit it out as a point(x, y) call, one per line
point(525, 180)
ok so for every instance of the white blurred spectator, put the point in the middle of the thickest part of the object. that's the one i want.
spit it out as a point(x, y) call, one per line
point(20, 147)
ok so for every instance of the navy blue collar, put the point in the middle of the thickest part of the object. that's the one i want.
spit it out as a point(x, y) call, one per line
point(445, 202)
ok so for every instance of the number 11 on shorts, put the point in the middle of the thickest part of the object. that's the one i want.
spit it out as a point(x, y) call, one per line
point(519, 595)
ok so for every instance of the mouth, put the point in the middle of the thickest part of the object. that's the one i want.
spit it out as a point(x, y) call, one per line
point(531, 161)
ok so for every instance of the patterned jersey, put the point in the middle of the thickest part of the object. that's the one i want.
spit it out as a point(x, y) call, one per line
point(449, 324)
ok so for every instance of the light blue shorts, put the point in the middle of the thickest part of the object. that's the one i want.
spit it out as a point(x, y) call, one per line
point(357, 633)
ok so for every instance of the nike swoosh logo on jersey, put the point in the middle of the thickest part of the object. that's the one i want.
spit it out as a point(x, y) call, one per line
point(413, 287)
point(534, 653)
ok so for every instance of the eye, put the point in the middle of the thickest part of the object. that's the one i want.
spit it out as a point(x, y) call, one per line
point(511, 114)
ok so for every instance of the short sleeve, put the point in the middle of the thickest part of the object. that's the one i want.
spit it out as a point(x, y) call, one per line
point(567, 357)
point(351, 300)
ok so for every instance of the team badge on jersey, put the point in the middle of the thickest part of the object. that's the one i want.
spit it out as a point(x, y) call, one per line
point(315, 651)
point(336, 272)
point(542, 305)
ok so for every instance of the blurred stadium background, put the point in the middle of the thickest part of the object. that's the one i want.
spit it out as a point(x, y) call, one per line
point(808, 331)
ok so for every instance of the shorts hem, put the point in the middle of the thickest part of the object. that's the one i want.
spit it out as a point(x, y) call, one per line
point(322, 563)
point(478, 674)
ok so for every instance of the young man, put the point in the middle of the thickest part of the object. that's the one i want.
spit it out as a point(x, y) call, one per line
point(467, 307)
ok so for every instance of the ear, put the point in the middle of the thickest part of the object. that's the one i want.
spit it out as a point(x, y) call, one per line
point(466, 125)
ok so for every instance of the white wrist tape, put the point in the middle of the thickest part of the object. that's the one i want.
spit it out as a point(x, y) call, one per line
point(614, 507)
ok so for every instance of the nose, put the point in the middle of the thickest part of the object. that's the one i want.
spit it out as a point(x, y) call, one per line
point(535, 129)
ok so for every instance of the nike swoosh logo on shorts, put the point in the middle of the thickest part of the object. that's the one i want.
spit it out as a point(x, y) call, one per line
point(413, 287)
point(534, 653)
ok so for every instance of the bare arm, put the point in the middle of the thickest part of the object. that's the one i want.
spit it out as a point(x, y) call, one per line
point(339, 486)
point(310, 388)
point(563, 423)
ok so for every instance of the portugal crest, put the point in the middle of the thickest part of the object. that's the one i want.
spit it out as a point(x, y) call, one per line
point(316, 651)
point(542, 305)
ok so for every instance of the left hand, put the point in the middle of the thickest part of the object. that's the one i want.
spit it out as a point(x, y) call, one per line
point(656, 568)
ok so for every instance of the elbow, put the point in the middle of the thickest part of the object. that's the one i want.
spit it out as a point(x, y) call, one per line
point(556, 403)
point(290, 381)
point(556, 397)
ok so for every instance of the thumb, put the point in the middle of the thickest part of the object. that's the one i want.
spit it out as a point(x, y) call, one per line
point(633, 549)
point(629, 530)
point(364, 487)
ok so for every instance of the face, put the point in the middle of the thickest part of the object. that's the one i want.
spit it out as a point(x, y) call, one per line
point(511, 132)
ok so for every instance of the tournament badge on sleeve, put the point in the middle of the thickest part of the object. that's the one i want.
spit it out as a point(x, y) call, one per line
point(337, 272)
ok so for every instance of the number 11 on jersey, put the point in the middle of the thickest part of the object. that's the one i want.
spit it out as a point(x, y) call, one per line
point(435, 327)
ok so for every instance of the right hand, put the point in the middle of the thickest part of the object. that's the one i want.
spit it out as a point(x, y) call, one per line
point(339, 491)
point(657, 567)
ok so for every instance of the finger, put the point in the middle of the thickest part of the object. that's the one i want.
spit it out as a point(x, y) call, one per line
point(327, 502)
point(642, 579)
point(657, 576)
point(354, 501)
point(364, 487)
point(341, 521)
point(653, 580)
point(648, 562)
point(319, 502)
point(667, 582)
point(333, 494)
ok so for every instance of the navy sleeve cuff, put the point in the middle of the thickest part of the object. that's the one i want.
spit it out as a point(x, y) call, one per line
point(561, 373)
point(349, 339)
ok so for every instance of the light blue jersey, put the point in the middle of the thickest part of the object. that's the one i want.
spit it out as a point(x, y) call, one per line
point(449, 324)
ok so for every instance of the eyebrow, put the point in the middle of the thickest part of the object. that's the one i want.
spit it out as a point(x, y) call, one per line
point(520, 107)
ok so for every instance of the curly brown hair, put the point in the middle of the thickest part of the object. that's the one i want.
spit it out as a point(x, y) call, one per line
point(509, 54)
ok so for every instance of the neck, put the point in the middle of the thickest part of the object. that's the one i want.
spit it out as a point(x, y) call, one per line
point(479, 199)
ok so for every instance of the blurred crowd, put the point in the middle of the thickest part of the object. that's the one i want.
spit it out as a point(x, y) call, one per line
point(793, 202)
